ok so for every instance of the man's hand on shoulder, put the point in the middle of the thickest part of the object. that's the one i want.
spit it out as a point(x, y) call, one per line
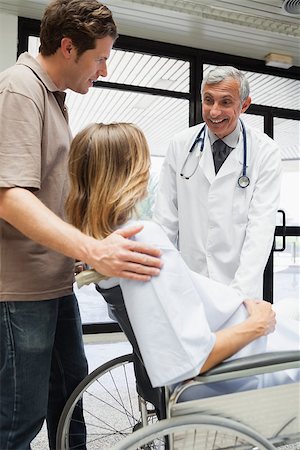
point(118, 256)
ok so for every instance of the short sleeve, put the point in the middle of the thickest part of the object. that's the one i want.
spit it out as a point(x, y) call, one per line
point(20, 144)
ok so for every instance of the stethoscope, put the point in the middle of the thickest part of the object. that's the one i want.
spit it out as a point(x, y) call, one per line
point(243, 180)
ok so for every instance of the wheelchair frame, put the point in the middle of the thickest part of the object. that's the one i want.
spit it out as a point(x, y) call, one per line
point(228, 421)
point(209, 414)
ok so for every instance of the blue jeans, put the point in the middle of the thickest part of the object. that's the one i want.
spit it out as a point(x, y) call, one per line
point(42, 360)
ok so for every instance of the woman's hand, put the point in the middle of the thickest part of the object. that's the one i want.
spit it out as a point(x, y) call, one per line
point(262, 314)
point(261, 321)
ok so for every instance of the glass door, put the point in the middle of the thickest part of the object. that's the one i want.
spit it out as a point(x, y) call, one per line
point(287, 259)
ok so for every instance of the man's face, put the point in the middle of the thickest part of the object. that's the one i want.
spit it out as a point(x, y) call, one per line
point(221, 106)
point(89, 66)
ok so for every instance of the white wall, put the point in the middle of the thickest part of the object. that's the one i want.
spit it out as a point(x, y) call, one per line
point(8, 40)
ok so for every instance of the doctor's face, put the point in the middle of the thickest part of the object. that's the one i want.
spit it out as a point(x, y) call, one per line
point(221, 106)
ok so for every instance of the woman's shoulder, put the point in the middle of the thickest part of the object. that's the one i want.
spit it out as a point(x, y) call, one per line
point(150, 228)
point(152, 233)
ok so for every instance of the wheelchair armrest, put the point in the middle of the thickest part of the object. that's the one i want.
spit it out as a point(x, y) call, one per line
point(254, 364)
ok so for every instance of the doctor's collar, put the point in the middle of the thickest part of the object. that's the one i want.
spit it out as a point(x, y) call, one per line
point(231, 139)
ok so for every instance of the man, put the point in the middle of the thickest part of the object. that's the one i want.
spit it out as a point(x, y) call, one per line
point(42, 355)
point(218, 202)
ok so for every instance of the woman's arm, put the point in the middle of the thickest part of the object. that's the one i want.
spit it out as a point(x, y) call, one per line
point(173, 329)
point(229, 341)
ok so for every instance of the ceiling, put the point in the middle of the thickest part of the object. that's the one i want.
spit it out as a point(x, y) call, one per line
point(243, 28)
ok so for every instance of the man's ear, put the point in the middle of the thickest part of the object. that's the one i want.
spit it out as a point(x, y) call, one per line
point(66, 46)
point(246, 104)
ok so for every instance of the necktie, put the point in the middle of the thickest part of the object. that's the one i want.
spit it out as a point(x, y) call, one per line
point(220, 153)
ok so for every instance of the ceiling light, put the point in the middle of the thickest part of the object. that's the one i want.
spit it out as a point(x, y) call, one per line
point(277, 60)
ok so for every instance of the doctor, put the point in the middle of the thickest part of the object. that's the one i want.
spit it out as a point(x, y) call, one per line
point(219, 188)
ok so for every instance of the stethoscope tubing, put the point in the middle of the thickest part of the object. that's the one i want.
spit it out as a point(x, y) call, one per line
point(244, 148)
point(243, 180)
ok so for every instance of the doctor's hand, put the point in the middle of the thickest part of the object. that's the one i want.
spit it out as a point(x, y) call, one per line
point(262, 315)
point(118, 256)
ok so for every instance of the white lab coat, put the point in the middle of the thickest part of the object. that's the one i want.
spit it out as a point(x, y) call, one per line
point(175, 314)
point(223, 231)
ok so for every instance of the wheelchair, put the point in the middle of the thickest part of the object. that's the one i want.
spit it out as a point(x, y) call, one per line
point(123, 411)
point(264, 419)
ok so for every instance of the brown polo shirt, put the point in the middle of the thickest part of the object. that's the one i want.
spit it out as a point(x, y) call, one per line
point(34, 145)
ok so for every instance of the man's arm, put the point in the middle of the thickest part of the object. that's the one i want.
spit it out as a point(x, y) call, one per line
point(229, 341)
point(260, 227)
point(113, 256)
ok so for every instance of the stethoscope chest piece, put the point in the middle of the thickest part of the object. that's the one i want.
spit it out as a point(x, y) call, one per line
point(243, 181)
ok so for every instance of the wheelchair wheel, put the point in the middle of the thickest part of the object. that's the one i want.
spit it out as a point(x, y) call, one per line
point(196, 432)
point(111, 407)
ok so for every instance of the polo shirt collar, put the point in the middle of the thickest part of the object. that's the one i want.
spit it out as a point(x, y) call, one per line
point(28, 60)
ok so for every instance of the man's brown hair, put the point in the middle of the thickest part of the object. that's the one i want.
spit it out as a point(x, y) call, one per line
point(83, 21)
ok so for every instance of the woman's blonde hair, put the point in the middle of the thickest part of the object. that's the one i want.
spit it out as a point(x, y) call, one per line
point(109, 172)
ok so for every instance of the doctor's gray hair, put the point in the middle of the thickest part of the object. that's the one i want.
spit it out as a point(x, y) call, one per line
point(221, 73)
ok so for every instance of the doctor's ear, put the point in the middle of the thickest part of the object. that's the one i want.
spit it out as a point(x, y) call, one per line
point(246, 103)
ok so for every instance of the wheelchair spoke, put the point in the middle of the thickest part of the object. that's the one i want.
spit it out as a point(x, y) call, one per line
point(110, 405)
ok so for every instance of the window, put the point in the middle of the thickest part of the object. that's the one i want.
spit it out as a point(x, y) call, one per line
point(158, 116)
point(274, 91)
point(286, 262)
point(286, 271)
point(254, 121)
